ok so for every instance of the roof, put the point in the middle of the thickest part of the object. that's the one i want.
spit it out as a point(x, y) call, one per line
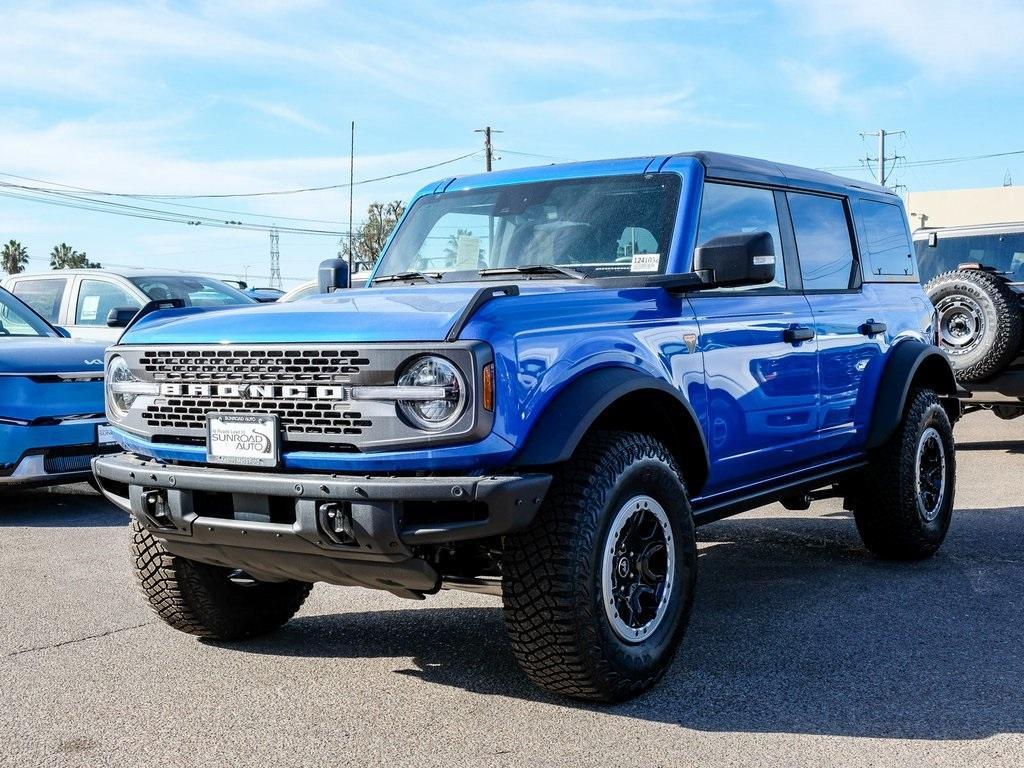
point(972, 229)
point(119, 271)
point(717, 165)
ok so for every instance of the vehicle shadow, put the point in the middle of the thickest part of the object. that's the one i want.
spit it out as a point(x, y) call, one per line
point(796, 629)
point(66, 506)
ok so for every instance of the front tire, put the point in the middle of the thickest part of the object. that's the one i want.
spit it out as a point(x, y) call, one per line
point(204, 599)
point(598, 590)
point(905, 504)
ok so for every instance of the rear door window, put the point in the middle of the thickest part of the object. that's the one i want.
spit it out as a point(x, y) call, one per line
point(43, 295)
point(886, 239)
point(823, 241)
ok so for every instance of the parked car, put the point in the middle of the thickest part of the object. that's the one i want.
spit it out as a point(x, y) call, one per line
point(975, 278)
point(51, 401)
point(310, 288)
point(81, 300)
point(262, 295)
point(651, 344)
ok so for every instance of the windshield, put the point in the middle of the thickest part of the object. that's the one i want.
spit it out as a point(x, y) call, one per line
point(1003, 252)
point(605, 226)
point(18, 320)
point(195, 291)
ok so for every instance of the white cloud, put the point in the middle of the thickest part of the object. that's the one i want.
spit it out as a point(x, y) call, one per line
point(943, 37)
point(286, 113)
point(831, 91)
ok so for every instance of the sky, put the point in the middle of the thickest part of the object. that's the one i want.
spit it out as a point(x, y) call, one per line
point(242, 96)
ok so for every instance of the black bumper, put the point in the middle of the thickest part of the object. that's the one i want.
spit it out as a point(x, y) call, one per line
point(1006, 388)
point(340, 529)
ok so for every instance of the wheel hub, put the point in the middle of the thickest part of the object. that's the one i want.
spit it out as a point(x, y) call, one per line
point(638, 565)
point(961, 323)
point(930, 474)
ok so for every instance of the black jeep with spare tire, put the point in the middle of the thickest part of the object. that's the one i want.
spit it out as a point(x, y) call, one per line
point(975, 278)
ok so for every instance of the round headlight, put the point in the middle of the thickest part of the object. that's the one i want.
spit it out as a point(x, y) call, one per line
point(437, 374)
point(120, 396)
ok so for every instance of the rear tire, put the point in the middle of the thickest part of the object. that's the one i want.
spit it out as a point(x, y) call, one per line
point(202, 600)
point(905, 504)
point(598, 590)
point(980, 322)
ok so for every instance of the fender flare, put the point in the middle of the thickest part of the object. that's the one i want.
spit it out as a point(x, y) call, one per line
point(565, 420)
point(909, 360)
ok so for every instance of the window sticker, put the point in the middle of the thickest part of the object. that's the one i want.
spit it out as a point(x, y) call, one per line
point(645, 262)
point(90, 306)
point(468, 253)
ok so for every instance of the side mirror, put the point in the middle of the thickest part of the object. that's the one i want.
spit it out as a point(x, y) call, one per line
point(333, 275)
point(119, 317)
point(733, 260)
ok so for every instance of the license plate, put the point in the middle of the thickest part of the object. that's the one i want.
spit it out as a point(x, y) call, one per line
point(105, 435)
point(242, 438)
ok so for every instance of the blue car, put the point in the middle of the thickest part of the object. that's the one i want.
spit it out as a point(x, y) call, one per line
point(51, 401)
point(551, 377)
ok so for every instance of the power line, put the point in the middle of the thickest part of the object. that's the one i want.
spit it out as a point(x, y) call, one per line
point(934, 161)
point(488, 146)
point(539, 157)
point(156, 196)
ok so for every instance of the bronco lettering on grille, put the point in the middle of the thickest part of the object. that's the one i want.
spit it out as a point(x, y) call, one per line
point(256, 391)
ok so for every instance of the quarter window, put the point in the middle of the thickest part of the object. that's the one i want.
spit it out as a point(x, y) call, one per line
point(886, 244)
point(97, 297)
point(823, 241)
point(44, 295)
point(727, 209)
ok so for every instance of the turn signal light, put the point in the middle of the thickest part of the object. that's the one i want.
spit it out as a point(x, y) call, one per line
point(488, 388)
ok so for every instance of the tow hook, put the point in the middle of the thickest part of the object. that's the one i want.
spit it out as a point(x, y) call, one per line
point(156, 506)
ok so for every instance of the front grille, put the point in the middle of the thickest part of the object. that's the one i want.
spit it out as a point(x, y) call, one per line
point(306, 386)
point(253, 365)
point(297, 418)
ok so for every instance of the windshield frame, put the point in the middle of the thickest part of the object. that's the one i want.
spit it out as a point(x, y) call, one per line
point(673, 188)
point(34, 319)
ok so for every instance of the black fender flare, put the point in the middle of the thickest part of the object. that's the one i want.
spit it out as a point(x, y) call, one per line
point(909, 361)
point(565, 420)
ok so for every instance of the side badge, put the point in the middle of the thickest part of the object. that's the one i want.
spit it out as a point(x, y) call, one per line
point(691, 341)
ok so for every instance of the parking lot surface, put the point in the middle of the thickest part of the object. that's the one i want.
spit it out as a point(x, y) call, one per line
point(803, 650)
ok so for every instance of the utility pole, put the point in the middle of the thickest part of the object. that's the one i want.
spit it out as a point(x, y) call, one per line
point(351, 188)
point(882, 159)
point(275, 261)
point(488, 146)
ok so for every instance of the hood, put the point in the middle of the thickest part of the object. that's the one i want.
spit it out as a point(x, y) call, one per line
point(49, 355)
point(392, 313)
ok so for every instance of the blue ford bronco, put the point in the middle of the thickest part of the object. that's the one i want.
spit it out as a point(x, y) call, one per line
point(551, 377)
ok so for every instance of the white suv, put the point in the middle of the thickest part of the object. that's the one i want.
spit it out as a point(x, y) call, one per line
point(81, 300)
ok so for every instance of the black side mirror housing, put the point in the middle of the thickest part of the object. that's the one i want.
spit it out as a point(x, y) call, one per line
point(119, 317)
point(333, 275)
point(735, 260)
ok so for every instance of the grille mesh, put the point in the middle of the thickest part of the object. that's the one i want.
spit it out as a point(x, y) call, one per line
point(279, 366)
point(254, 365)
point(57, 464)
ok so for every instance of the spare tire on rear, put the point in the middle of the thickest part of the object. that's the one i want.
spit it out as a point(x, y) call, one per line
point(980, 322)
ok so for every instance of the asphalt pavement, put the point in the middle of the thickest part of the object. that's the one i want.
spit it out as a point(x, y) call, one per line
point(803, 651)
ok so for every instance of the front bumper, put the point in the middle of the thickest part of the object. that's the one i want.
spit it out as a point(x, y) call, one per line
point(342, 529)
point(48, 455)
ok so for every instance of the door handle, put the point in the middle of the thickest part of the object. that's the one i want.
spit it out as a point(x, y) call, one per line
point(872, 328)
point(797, 334)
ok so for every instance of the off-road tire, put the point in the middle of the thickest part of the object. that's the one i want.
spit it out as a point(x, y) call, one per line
point(559, 630)
point(200, 599)
point(981, 298)
point(886, 508)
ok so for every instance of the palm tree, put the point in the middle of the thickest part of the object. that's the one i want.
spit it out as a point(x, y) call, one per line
point(14, 257)
point(63, 256)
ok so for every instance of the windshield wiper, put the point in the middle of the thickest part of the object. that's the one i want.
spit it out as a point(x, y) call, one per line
point(534, 269)
point(425, 277)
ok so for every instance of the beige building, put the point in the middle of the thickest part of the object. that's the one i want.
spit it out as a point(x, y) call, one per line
point(966, 207)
